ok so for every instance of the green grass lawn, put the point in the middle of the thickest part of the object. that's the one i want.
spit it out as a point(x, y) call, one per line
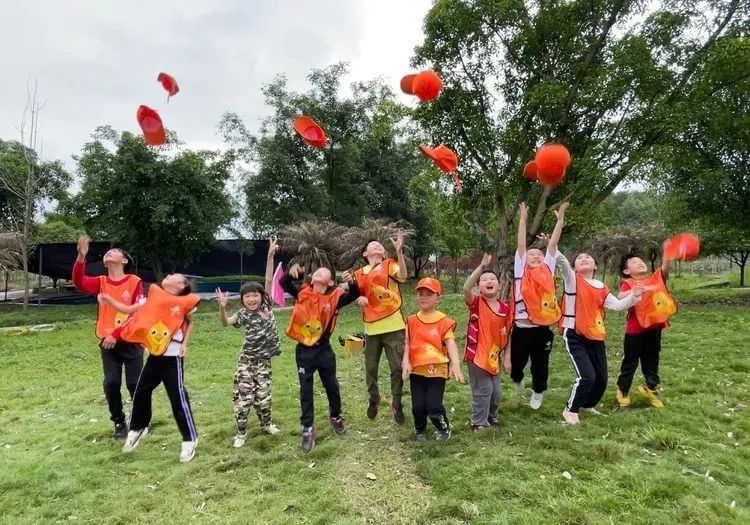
point(686, 463)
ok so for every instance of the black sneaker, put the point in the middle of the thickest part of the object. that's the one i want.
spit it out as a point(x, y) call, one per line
point(397, 410)
point(421, 437)
point(494, 422)
point(308, 439)
point(121, 431)
point(339, 425)
point(443, 435)
point(372, 407)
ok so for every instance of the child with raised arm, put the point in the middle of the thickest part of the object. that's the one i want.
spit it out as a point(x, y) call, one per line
point(645, 323)
point(536, 308)
point(163, 325)
point(430, 358)
point(582, 326)
point(316, 307)
point(380, 300)
point(487, 343)
point(252, 379)
point(128, 289)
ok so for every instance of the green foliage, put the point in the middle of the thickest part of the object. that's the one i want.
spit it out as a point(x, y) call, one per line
point(362, 172)
point(165, 208)
point(611, 79)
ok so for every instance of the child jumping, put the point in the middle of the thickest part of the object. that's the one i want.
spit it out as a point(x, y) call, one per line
point(487, 338)
point(163, 325)
point(645, 323)
point(431, 357)
point(380, 301)
point(252, 379)
point(536, 308)
point(313, 319)
point(583, 331)
point(128, 289)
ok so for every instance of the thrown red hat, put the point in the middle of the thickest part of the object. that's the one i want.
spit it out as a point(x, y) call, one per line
point(683, 246)
point(310, 132)
point(169, 84)
point(428, 283)
point(551, 162)
point(425, 85)
point(443, 157)
point(151, 125)
point(530, 171)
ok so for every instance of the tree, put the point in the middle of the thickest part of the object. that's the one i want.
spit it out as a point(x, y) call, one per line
point(26, 181)
point(611, 79)
point(163, 208)
point(362, 172)
point(453, 235)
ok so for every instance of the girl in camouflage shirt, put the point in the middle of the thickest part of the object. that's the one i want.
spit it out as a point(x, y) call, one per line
point(252, 380)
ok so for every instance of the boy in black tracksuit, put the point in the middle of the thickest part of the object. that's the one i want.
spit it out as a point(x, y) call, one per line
point(313, 320)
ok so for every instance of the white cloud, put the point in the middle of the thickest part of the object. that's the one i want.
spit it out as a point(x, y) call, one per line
point(96, 62)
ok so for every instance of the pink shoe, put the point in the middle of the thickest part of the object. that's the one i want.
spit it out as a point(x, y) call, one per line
point(571, 418)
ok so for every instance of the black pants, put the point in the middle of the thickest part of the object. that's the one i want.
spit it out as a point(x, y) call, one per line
point(322, 359)
point(590, 364)
point(124, 354)
point(535, 344)
point(643, 347)
point(168, 370)
point(427, 401)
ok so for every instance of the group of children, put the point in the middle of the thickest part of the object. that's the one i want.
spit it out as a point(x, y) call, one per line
point(421, 348)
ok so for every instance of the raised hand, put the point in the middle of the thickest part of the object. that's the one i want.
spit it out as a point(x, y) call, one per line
point(398, 241)
point(83, 247)
point(295, 270)
point(486, 260)
point(560, 211)
point(523, 210)
point(223, 298)
point(273, 245)
point(544, 238)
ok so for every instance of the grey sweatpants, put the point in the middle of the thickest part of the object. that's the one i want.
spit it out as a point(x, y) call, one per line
point(485, 394)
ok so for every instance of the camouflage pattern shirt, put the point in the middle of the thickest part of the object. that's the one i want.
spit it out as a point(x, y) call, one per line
point(261, 334)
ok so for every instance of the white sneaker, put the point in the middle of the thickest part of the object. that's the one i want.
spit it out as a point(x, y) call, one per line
point(239, 440)
point(134, 437)
point(271, 430)
point(188, 451)
point(571, 418)
point(520, 389)
point(536, 400)
point(593, 411)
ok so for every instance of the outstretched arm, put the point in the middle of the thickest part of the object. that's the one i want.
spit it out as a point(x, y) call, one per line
point(522, 216)
point(471, 281)
point(272, 249)
point(223, 299)
point(80, 280)
point(398, 244)
point(117, 305)
point(557, 232)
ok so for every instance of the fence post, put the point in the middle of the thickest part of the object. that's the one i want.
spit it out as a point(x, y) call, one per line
point(39, 291)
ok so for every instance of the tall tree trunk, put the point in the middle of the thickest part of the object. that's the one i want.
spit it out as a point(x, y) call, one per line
point(743, 262)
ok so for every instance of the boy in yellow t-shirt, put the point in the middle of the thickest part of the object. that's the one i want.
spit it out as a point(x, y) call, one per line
point(432, 357)
point(378, 282)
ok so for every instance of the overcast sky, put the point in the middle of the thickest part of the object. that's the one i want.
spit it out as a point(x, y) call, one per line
point(96, 62)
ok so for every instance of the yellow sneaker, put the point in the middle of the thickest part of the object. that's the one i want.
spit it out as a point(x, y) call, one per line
point(622, 399)
point(651, 396)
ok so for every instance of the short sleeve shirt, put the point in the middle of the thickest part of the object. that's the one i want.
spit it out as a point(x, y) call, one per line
point(261, 334)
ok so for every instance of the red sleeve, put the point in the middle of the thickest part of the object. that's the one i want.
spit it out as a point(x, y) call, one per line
point(624, 286)
point(82, 281)
point(138, 293)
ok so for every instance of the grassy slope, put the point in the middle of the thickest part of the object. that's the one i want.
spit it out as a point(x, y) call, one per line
point(626, 468)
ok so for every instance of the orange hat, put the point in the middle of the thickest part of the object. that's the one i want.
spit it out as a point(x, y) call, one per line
point(310, 132)
point(428, 283)
point(551, 162)
point(425, 85)
point(443, 156)
point(684, 246)
point(530, 171)
point(151, 125)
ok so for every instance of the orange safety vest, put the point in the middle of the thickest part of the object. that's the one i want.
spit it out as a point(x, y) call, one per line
point(381, 290)
point(313, 314)
point(588, 310)
point(487, 335)
point(153, 325)
point(656, 305)
point(426, 345)
point(108, 318)
point(538, 295)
